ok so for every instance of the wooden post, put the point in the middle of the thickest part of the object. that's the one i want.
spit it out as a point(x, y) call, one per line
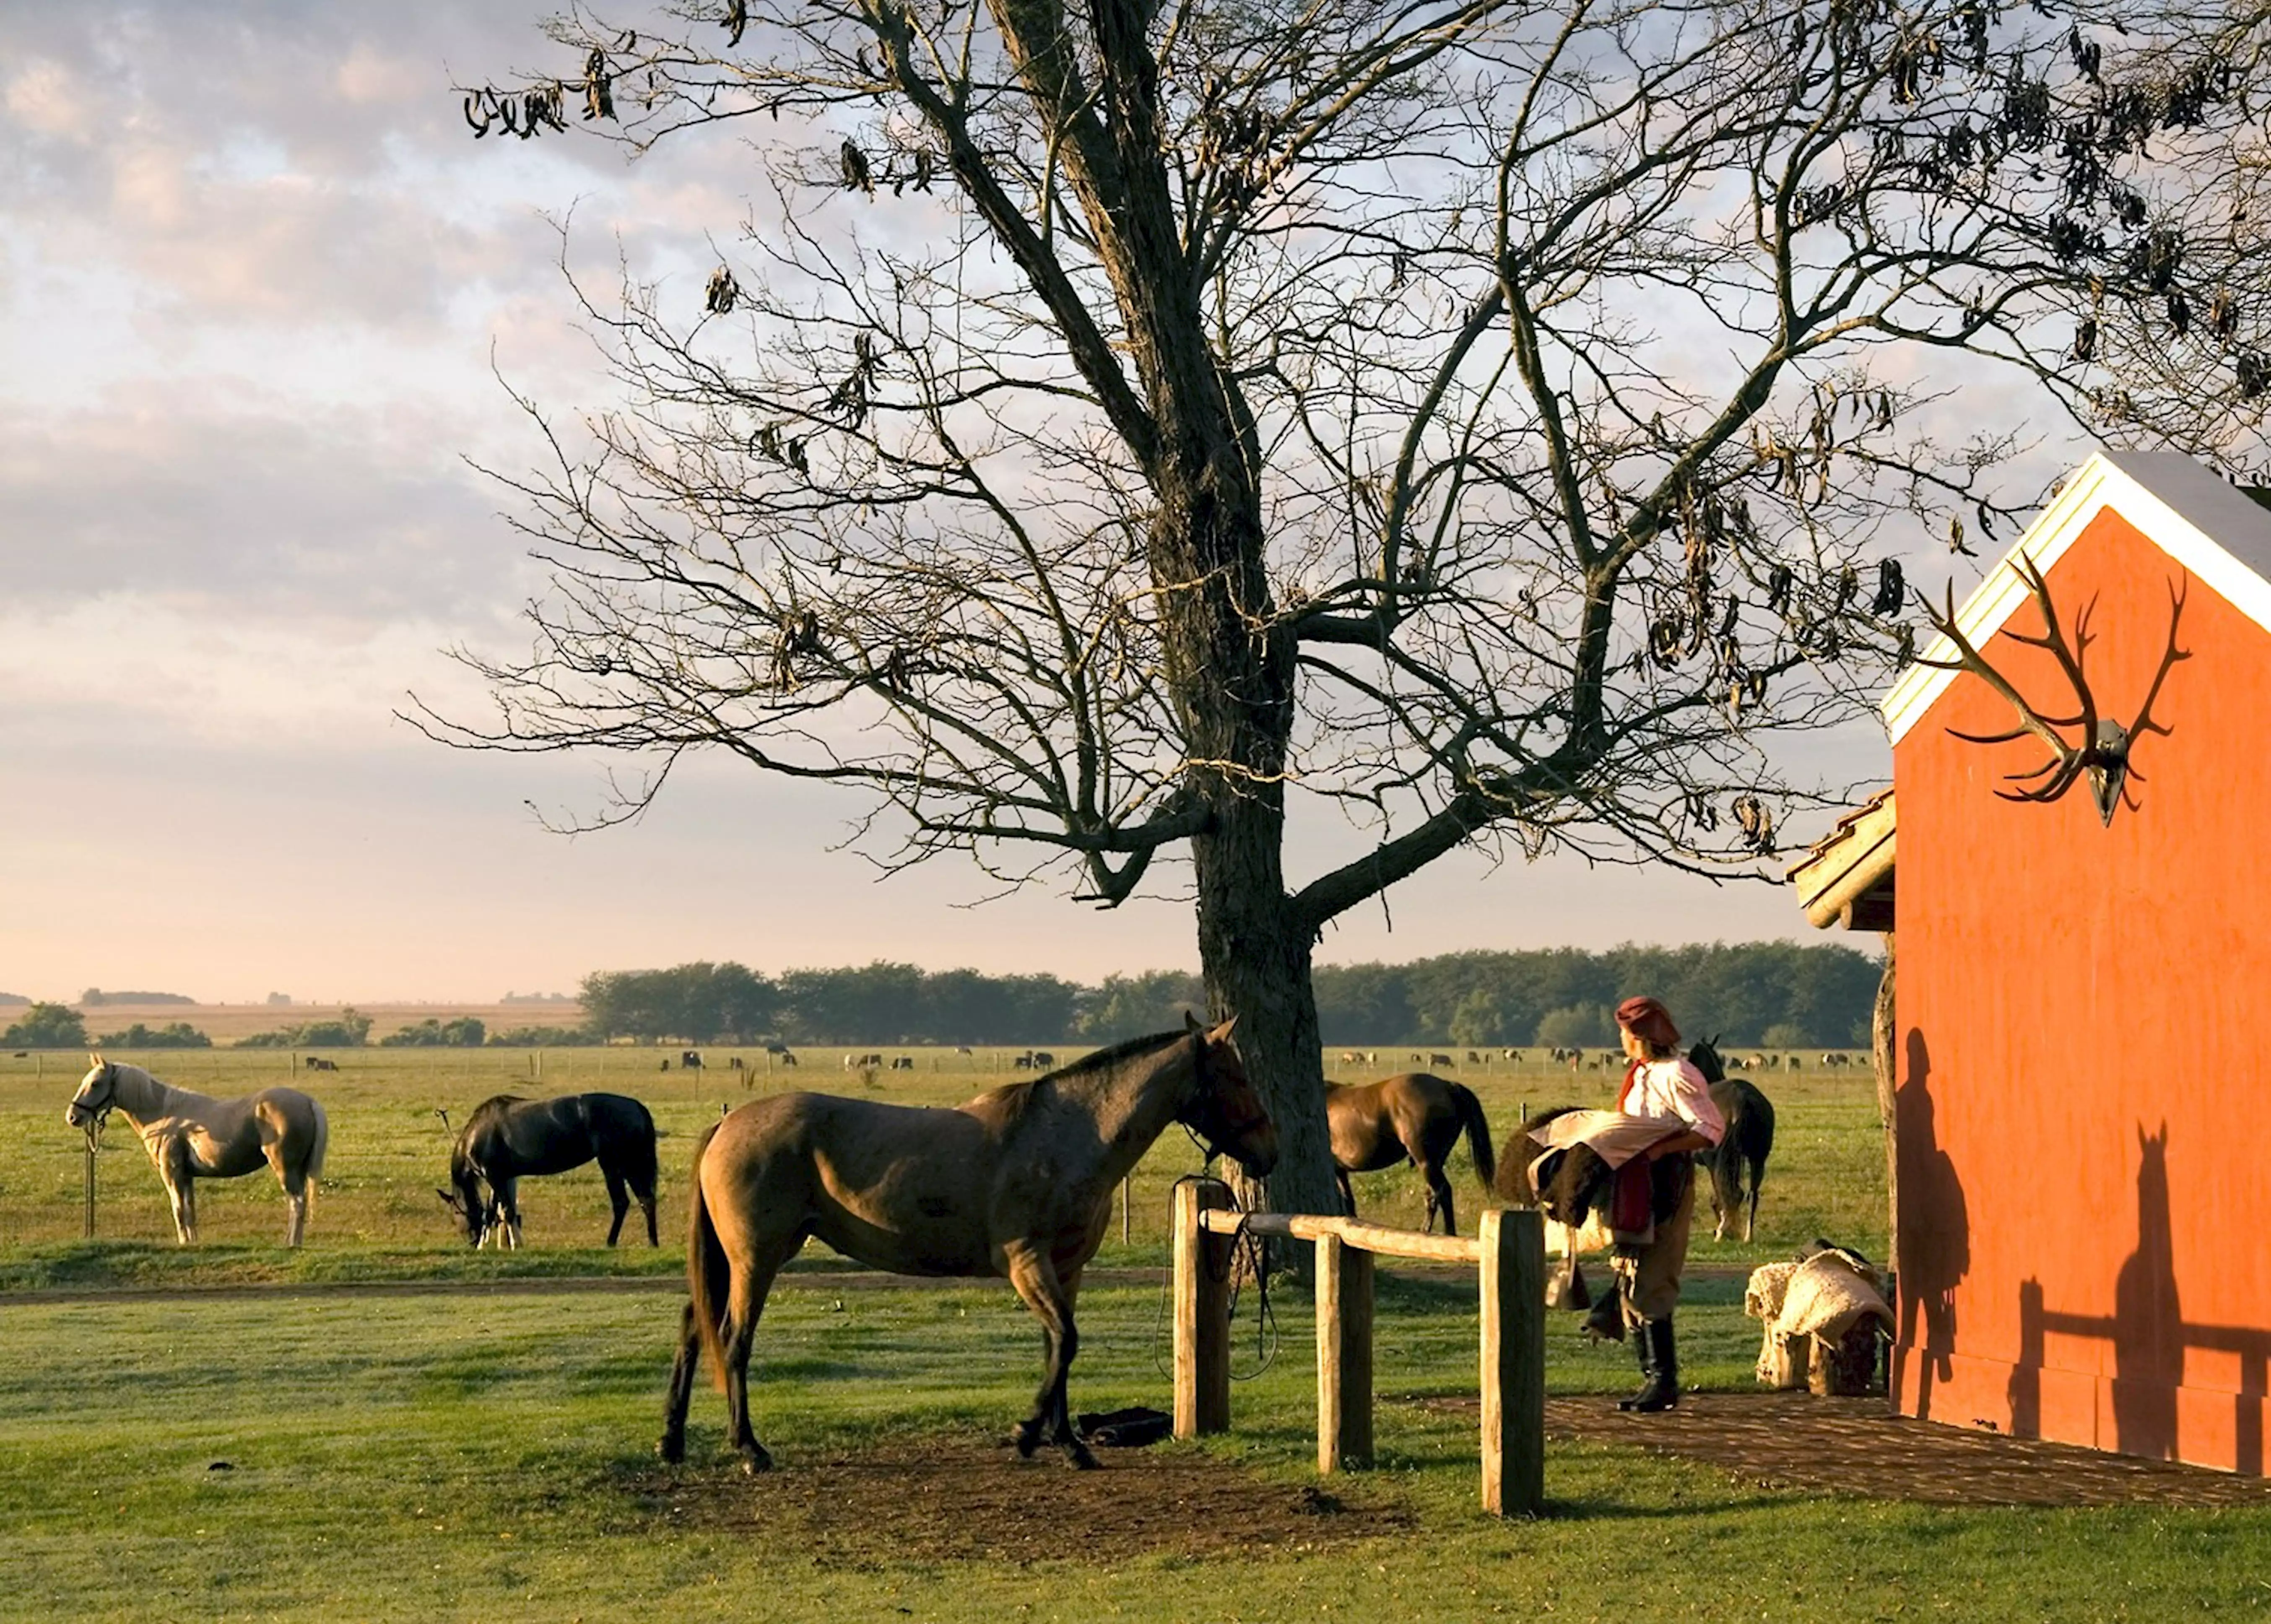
point(1202, 1313)
point(1344, 1355)
point(1513, 1360)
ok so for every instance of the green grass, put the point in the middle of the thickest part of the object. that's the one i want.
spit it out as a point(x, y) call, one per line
point(446, 1456)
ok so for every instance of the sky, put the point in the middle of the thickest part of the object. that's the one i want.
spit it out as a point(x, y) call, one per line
point(260, 298)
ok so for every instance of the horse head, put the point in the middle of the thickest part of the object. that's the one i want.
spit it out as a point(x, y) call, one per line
point(1705, 1057)
point(475, 1211)
point(98, 1092)
point(1226, 1111)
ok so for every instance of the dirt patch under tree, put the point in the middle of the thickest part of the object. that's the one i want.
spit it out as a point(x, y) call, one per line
point(963, 1499)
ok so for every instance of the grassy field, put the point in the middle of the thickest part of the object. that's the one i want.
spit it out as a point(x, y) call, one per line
point(377, 1215)
point(475, 1441)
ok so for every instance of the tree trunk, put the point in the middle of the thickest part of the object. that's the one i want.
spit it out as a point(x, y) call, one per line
point(1256, 965)
point(1881, 1033)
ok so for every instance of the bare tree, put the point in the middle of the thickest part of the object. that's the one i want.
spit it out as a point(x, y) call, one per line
point(1121, 431)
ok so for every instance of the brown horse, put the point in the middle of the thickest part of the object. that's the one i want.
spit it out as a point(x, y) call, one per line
point(1414, 1116)
point(1016, 1183)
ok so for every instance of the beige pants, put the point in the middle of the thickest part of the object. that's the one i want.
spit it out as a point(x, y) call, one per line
point(1651, 1280)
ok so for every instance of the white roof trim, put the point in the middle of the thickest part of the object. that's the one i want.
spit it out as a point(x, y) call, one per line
point(2218, 534)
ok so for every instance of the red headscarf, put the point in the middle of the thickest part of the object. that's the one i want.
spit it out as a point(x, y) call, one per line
point(1649, 1021)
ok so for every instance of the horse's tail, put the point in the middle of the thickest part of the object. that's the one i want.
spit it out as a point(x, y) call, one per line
point(708, 1275)
point(1477, 1131)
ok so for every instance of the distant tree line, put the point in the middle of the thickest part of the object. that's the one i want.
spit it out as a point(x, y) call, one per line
point(463, 1033)
point(1777, 994)
point(1774, 992)
point(94, 998)
point(346, 1030)
point(172, 1035)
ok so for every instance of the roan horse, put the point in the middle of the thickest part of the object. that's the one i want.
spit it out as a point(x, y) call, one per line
point(1416, 1117)
point(509, 1138)
point(1016, 1183)
point(193, 1137)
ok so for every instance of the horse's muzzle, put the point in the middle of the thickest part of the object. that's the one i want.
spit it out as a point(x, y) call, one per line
point(1257, 1152)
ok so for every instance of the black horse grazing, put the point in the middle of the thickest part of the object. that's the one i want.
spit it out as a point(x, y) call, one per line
point(1743, 1148)
point(508, 1138)
point(1414, 1116)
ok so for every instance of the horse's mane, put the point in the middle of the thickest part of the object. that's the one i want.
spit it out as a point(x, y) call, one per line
point(1012, 1101)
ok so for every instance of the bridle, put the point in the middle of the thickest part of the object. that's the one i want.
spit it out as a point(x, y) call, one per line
point(97, 1115)
point(1204, 1104)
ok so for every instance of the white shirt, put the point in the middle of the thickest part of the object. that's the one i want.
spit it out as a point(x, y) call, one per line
point(1673, 1088)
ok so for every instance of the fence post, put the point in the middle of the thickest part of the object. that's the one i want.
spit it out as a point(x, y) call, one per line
point(1344, 1355)
point(1513, 1360)
point(1202, 1312)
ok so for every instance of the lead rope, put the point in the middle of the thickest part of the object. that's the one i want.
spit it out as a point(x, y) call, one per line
point(1256, 1264)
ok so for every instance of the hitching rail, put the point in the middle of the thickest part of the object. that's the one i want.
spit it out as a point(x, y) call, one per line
point(1508, 1252)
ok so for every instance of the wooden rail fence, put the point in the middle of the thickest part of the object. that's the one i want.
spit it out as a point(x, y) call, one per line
point(1508, 1252)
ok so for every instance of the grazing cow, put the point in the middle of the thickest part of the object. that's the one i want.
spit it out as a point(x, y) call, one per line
point(733, 1063)
point(1440, 1059)
point(666, 1063)
point(1043, 1060)
point(1473, 1059)
point(903, 1063)
point(691, 1060)
point(317, 1062)
point(1513, 1056)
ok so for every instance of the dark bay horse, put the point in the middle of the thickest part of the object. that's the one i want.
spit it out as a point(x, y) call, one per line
point(509, 1138)
point(1016, 1183)
point(1743, 1150)
point(191, 1136)
point(1415, 1117)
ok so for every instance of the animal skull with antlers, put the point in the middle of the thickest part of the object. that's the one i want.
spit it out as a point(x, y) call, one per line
point(2102, 754)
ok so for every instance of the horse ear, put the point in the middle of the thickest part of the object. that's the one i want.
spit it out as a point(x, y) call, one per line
point(1221, 1034)
point(1190, 1021)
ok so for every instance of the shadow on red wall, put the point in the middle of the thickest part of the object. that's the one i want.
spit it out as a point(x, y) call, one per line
point(1934, 1249)
point(2149, 1336)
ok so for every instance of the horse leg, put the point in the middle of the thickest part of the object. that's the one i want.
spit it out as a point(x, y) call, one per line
point(1348, 1193)
point(506, 1195)
point(745, 1304)
point(172, 1155)
point(620, 1201)
point(1034, 1275)
point(1438, 1197)
point(673, 1447)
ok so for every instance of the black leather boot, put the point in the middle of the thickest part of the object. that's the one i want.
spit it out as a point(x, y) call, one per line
point(1659, 1362)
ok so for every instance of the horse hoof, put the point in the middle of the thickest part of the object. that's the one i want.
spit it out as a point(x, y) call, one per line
point(1078, 1454)
point(1027, 1437)
point(756, 1460)
point(672, 1447)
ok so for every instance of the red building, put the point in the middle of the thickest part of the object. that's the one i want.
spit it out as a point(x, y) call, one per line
point(2081, 1067)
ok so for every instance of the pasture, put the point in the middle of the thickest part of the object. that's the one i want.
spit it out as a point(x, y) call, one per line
point(472, 1438)
point(377, 1215)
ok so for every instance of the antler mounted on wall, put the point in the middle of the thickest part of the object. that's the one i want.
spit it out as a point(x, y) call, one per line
point(2102, 753)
